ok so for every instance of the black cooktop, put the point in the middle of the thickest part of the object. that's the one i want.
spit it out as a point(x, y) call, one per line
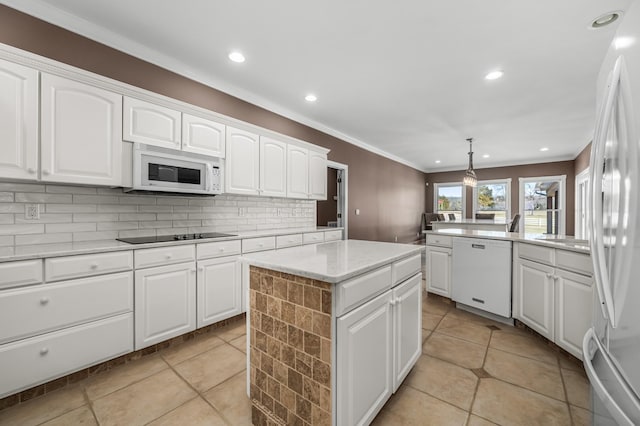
point(177, 237)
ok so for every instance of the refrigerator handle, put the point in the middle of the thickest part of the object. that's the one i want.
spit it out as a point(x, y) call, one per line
point(590, 345)
point(601, 277)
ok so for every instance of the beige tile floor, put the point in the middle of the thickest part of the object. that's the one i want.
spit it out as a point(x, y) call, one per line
point(470, 373)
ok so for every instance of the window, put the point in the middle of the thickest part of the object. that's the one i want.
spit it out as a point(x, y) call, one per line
point(542, 204)
point(449, 199)
point(493, 196)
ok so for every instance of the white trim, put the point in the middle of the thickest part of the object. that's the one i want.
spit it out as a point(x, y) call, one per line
point(489, 182)
point(462, 167)
point(581, 178)
point(448, 184)
point(345, 186)
point(563, 202)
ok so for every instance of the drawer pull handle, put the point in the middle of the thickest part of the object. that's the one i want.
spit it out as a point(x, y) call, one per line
point(94, 266)
point(260, 245)
point(477, 300)
point(31, 170)
point(478, 246)
point(44, 300)
point(168, 256)
point(44, 351)
point(221, 249)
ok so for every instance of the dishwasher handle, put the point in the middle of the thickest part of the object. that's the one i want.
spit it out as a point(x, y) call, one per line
point(478, 246)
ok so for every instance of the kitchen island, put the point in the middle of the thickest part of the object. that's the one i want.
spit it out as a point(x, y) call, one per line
point(333, 330)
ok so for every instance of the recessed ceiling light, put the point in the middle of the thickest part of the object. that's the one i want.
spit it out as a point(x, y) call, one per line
point(311, 97)
point(623, 42)
point(437, 161)
point(494, 75)
point(544, 149)
point(486, 156)
point(236, 56)
point(606, 19)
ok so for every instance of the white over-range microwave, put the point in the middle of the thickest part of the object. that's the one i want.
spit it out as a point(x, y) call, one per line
point(166, 170)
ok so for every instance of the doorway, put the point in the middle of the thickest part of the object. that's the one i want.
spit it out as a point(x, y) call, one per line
point(332, 212)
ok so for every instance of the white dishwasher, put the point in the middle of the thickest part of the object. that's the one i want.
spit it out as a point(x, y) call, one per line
point(481, 274)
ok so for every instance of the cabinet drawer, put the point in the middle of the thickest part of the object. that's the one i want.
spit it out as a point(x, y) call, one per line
point(313, 238)
point(333, 235)
point(28, 362)
point(577, 262)
point(354, 292)
point(537, 253)
point(439, 240)
point(165, 256)
point(40, 308)
point(13, 274)
point(218, 249)
point(62, 268)
point(405, 268)
point(288, 240)
point(258, 244)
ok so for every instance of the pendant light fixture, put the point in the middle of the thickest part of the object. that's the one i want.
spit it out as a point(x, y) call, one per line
point(470, 178)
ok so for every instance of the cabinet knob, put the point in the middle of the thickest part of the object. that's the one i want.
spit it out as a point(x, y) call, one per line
point(45, 172)
point(549, 275)
point(221, 249)
point(31, 170)
point(94, 266)
point(260, 245)
point(201, 268)
point(44, 351)
point(44, 300)
point(168, 256)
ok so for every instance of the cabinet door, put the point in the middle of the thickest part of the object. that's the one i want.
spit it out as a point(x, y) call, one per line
point(407, 327)
point(364, 376)
point(81, 140)
point(152, 124)
point(242, 171)
point(165, 303)
point(574, 307)
point(317, 175)
point(219, 289)
point(273, 167)
point(536, 296)
point(438, 270)
point(18, 121)
point(297, 172)
point(202, 136)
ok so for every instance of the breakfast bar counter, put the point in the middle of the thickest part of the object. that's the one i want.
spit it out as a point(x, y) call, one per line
point(333, 330)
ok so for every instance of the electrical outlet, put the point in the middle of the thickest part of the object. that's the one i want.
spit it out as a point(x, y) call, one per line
point(32, 211)
point(242, 211)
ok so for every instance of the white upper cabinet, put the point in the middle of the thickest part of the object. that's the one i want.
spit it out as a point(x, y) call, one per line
point(242, 171)
point(202, 136)
point(18, 121)
point(80, 140)
point(306, 173)
point(273, 167)
point(317, 175)
point(151, 124)
point(297, 172)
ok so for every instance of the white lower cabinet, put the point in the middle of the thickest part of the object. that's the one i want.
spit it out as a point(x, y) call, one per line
point(165, 303)
point(364, 361)
point(574, 305)
point(29, 362)
point(553, 301)
point(438, 270)
point(407, 302)
point(535, 296)
point(377, 345)
point(219, 289)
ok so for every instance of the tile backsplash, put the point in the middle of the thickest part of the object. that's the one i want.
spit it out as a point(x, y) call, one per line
point(79, 213)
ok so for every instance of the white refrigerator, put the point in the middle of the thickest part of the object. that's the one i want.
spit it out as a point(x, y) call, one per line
point(611, 348)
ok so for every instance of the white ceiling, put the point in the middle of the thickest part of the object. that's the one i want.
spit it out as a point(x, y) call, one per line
point(402, 78)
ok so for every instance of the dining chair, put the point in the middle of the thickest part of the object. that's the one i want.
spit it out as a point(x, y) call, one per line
point(452, 216)
point(514, 223)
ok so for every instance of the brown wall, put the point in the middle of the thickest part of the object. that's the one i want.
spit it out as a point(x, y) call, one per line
point(513, 172)
point(582, 160)
point(390, 196)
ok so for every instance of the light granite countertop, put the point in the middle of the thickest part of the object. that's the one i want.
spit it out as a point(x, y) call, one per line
point(37, 251)
point(565, 242)
point(332, 262)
